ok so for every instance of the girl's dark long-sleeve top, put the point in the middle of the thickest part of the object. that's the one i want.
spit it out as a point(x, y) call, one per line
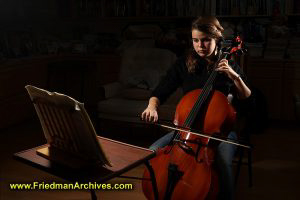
point(178, 76)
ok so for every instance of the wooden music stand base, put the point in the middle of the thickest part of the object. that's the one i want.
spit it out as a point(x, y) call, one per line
point(67, 126)
point(124, 157)
point(64, 158)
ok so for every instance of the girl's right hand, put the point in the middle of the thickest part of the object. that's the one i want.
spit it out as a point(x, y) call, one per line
point(150, 115)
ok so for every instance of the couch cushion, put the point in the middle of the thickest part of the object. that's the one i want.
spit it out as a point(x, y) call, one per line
point(131, 108)
point(135, 94)
point(121, 106)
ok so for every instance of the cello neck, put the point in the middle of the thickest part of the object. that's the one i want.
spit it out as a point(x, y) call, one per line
point(205, 94)
point(235, 47)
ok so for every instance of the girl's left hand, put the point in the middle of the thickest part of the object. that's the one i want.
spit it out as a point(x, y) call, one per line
point(223, 66)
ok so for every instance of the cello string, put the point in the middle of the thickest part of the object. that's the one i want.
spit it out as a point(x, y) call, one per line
point(199, 102)
point(202, 97)
point(205, 92)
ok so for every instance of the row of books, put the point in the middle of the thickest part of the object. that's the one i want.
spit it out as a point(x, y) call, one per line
point(181, 8)
point(242, 7)
point(17, 44)
point(129, 8)
point(97, 8)
point(292, 7)
point(257, 7)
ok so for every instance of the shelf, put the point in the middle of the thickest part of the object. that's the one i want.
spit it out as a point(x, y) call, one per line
point(157, 18)
point(294, 15)
point(15, 62)
point(243, 16)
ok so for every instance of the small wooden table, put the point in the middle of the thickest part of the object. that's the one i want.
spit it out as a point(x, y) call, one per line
point(123, 157)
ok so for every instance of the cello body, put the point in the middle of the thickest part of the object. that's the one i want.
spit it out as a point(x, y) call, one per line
point(182, 174)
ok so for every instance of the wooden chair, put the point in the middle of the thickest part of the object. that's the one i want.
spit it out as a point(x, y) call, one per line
point(240, 162)
point(245, 133)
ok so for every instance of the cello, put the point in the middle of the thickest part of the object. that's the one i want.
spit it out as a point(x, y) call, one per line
point(185, 168)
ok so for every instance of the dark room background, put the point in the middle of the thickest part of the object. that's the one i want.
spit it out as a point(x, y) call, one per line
point(76, 47)
point(37, 34)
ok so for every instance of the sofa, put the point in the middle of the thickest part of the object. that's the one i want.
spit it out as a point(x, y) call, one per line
point(140, 71)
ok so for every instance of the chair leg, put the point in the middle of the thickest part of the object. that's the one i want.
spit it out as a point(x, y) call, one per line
point(239, 164)
point(250, 167)
point(93, 195)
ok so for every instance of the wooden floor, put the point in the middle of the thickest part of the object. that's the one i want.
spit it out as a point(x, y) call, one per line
point(276, 168)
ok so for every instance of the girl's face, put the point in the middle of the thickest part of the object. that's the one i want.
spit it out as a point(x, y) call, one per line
point(203, 45)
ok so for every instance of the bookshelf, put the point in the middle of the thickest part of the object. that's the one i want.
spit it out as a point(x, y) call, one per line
point(105, 20)
point(178, 8)
point(292, 7)
point(254, 15)
point(82, 17)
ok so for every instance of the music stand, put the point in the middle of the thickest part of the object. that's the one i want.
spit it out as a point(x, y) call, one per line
point(66, 124)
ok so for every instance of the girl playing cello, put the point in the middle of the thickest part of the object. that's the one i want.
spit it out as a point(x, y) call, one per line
point(191, 72)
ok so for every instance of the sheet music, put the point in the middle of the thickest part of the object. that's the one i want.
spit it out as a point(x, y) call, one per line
point(66, 124)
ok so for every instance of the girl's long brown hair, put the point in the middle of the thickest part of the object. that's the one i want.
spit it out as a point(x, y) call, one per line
point(210, 26)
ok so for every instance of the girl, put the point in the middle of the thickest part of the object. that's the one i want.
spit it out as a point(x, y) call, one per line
point(190, 73)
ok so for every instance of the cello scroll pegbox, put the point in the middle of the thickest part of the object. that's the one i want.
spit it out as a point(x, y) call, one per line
point(237, 46)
